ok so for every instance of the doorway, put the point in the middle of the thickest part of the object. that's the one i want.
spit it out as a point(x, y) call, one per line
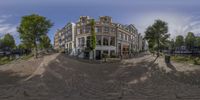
point(98, 54)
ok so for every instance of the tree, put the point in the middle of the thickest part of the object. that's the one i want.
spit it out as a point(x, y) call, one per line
point(179, 41)
point(8, 41)
point(190, 40)
point(93, 37)
point(1, 43)
point(45, 42)
point(197, 42)
point(172, 44)
point(31, 28)
point(22, 46)
point(156, 36)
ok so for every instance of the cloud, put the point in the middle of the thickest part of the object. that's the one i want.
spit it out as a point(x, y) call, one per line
point(6, 27)
point(179, 24)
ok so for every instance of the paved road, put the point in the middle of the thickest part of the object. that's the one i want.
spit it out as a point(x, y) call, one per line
point(68, 79)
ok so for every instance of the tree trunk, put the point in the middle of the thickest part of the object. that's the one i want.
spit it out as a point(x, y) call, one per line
point(35, 51)
point(93, 54)
point(158, 49)
point(155, 59)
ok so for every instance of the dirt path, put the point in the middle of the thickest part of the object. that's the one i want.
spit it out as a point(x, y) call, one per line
point(22, 67)
point(68, 79)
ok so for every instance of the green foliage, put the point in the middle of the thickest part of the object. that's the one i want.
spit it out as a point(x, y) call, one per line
point(105, 56)
point(113, 56)
point(5, 60)
point(93, 37)
point(8, 41)
point(180, 58)
point(45, 42)
point(190, 40)
point(172, 44)
point(179, 41)
point(32, 28)
point(157, 36)
point(22, 46)
point(1, 43)
point(197, 42)
point(27, 57)
point(186, 59)
point(197, 61)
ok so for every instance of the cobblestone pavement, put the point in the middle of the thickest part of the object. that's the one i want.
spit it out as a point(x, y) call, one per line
point(69, 79)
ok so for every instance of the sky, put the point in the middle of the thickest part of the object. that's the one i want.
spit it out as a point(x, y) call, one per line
point(182, 16)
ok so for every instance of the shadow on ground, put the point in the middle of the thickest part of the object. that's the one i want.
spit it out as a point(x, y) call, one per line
point(186, 77)
point(69, 79)
point(9, 77)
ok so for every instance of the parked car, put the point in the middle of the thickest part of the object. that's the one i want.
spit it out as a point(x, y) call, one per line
point(2, 53)
point(7, 52)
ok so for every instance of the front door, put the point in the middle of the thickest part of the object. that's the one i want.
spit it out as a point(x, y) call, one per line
point(86, 55)
point(98, 54)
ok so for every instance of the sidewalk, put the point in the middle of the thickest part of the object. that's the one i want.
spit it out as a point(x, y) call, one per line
point(181, 67)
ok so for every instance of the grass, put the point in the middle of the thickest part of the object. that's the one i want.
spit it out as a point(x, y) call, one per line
point(186, 59)
point(6, 60)
point(26, 57)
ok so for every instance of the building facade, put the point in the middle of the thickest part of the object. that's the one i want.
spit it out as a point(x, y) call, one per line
point(105, 37)
point(65, 39)
point(112, 39)
point(56, 41)
point(140, 42)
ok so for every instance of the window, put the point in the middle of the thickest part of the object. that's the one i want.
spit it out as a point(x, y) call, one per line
point(87, 30)
point(78, 31)
point(70, 46)
point(105, 40)
point(81, 41)
point(106, 29)
point(88, 41)
point(124, 37)
point(120, 35)
point(112, 41)
point(99, 40)
point(129, 38)
point(83, 30)
point(113, 30)
point(98, 29)
point(112, 53)
point(79, 51)
point(105, 52)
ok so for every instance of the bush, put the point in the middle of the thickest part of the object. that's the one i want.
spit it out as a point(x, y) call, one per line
point(105, 55)
point(113, 56)
point(196, 61)
point(4, 60)
point(187, 59)
point(180, 58)
point(27, 57)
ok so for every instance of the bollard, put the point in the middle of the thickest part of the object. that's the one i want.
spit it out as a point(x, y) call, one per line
point(167, 58)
